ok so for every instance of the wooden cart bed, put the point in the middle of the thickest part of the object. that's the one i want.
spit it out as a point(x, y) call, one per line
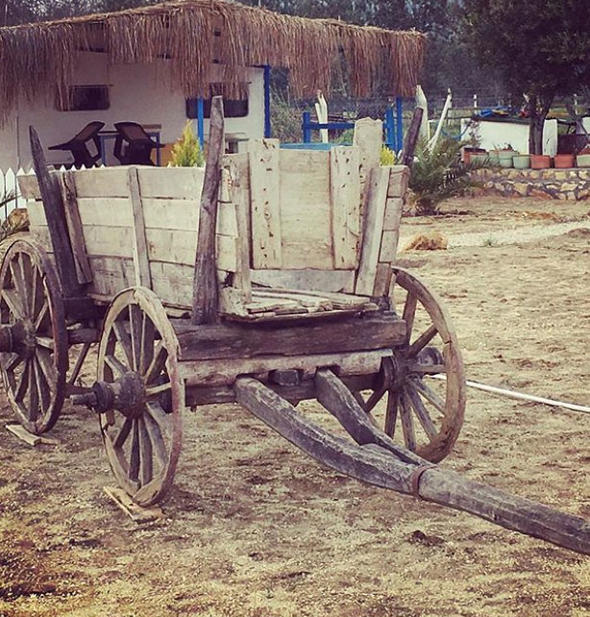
point(299, 232)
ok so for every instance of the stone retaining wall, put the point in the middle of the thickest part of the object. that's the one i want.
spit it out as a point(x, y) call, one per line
point(571, 184)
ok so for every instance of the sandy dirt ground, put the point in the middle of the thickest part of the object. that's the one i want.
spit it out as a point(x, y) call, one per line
point(254, 528)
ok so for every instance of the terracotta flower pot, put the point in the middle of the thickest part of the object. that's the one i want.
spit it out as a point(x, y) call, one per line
point(540, 161)
point(564, 161)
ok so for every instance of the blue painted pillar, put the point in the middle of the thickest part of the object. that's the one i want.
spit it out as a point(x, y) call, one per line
point(390, 135)
point(201, 122)
point(305, 126)
point(399, 124)
point(267, 122)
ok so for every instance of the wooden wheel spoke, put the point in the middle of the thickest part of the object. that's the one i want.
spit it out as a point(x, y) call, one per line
point(33, 393)
point(43, 312)
point(135, 329)
point(421, 411)
point(45, 362)
point(148, 333)
point(134, 462)
point(391, 412)
point(157, 438)
point(123, 433)
point(116, 365)
point(124, 340)
point(429, 394)
point(19, 283)
point(14, 303)
point(34, 297)
point(11, 360)
point(410, 313)
point(426, 369)
point(145, 453)
point(45, 341)
point(158, 415)
point(22, 382)
point(158, 389)
point(422, 341)
point(407, 421)
point(157, 364)
point(42, 386)
point(375, 397)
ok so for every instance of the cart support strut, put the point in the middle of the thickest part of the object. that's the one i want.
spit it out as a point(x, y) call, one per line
point(373, 459)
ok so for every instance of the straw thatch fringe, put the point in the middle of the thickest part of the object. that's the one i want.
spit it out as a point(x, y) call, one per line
point(196, 35)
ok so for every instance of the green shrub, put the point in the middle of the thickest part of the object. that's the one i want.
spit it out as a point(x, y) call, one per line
point(285, 120)
point(439, 174)
point(187, 151)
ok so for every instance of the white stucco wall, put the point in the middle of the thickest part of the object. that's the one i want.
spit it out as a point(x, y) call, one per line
point(492, 135)
point(138, 93)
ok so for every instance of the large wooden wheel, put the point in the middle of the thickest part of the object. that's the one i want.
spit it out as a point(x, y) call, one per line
point(424, 384)
point(143, 395)
point(34, 358)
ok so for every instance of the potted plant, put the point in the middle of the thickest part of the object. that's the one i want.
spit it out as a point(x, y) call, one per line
point(564, 161)
point(505, 156)
point(540, 161)
point(583, 160)
point(521, 161)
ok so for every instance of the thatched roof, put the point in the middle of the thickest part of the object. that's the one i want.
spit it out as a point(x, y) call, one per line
point(193, 34)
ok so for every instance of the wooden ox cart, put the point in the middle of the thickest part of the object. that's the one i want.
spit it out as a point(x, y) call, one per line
point(278, 285)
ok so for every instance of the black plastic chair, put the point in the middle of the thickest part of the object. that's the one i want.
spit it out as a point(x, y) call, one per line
point(133, 145)
point(78, 145)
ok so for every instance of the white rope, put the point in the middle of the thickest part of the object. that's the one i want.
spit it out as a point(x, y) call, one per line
point(522, 396)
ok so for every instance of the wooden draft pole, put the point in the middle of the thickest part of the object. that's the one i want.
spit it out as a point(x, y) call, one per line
point(205, 292)
point(375, 459)
point(53, 206)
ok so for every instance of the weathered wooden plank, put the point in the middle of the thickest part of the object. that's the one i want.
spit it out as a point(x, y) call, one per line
point(393, 213)
point(372, 230)
point(94, 182)
point(225, 371)
point(226, 253)
point(55, 216)
point(140, 251)
point(68, 188)
point(240, 196)
point(338, 300)
point(345, 195)
point(383, 276)
point(265, 204)
point(399, 176)
point(388, 250)
point(306, 234)
point(205, 292)
point(368, 138)
point(346, 334)
point(328, 280)
point(171, 182)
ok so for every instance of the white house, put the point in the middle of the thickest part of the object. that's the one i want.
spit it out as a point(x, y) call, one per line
point(139, 93)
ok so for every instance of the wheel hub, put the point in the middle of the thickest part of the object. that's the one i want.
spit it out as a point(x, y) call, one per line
point(127, 395)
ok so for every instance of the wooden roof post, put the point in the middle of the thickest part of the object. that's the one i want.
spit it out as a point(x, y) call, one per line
point(205, 291)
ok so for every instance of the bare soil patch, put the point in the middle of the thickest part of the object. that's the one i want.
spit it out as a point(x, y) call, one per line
point(254, 528)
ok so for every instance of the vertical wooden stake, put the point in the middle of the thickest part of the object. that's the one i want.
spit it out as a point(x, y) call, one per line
point(141, 261)
point(205, 292)
point(56, 220)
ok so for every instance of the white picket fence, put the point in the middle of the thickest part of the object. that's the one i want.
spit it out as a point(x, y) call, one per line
point(9, 186)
